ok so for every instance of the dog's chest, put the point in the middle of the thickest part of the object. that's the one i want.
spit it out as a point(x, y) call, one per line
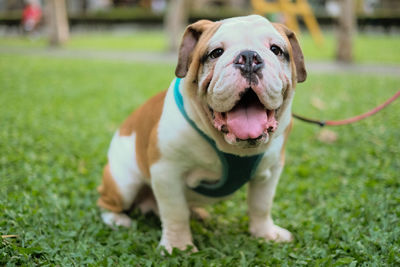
point(196, 159)
point(190, 153)
point(183, 147)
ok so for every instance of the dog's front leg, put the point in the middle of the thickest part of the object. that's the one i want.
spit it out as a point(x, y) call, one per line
point(168, 187)
point(260, 197)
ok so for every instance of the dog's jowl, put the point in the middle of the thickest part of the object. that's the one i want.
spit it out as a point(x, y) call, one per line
point(222, 123)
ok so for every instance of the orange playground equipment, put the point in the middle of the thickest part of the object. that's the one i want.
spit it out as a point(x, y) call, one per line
point(290, 10)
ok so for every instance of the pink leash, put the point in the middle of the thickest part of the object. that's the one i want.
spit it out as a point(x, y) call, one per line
point(353, 119)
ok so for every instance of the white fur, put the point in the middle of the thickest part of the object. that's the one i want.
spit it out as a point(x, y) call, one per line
point(123, 167)
point(113, 219)
point(226, 82)
point(225, 87)
point(196, 176)
point(186, 158)
point(174, 209)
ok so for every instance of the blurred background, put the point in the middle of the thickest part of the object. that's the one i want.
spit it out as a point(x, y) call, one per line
point(327, 27)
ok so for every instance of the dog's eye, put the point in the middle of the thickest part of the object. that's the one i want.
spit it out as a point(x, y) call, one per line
point(216, 53)
point(276, 50)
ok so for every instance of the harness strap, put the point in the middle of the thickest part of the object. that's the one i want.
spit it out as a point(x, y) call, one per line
point(236, 170)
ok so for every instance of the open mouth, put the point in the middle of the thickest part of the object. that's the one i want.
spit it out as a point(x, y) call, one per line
point(248, 120)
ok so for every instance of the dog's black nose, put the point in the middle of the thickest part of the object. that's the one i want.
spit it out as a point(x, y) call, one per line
point(248, 62)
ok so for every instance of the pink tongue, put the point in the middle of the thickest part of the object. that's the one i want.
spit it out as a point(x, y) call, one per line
point(247, 122)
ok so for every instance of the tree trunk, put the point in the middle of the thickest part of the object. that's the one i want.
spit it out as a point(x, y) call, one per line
point(346, 30)
point(57, 21)
point(175, 22)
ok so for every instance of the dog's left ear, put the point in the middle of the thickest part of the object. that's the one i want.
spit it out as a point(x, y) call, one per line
point(296, 51)
point(189, 41)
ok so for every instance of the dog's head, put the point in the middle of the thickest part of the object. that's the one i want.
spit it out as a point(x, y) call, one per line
point(240, 75)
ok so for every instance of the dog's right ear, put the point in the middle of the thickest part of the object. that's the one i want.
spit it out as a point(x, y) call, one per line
point(298, 57)
point(189, 41)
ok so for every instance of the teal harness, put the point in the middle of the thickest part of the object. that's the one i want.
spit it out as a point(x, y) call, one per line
point(236, 170)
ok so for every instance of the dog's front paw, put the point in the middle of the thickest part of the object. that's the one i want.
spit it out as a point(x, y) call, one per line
point(116, 219)
point(169, 247)
point(178, 239)
point(270, 232)
point(278, 234)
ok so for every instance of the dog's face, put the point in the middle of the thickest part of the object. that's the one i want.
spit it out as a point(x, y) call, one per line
point(241, 73)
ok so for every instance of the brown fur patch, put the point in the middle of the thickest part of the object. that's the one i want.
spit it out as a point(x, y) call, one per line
point(195, 34)
point(296, 55)
point(144, 122)
point(110, 197)
point(200, 49)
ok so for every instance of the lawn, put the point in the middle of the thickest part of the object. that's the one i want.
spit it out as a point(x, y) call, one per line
point(340, 200)
point(368, 47)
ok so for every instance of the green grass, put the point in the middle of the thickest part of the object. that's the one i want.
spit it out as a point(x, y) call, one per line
point(151, 40)
point(23, 42)
point(368, 48)
point(138, 41)
point(341, 200)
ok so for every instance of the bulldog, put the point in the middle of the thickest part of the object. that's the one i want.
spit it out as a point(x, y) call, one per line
point(222, 123)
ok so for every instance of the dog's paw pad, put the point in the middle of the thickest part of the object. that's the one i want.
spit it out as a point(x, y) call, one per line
point(116, 219)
